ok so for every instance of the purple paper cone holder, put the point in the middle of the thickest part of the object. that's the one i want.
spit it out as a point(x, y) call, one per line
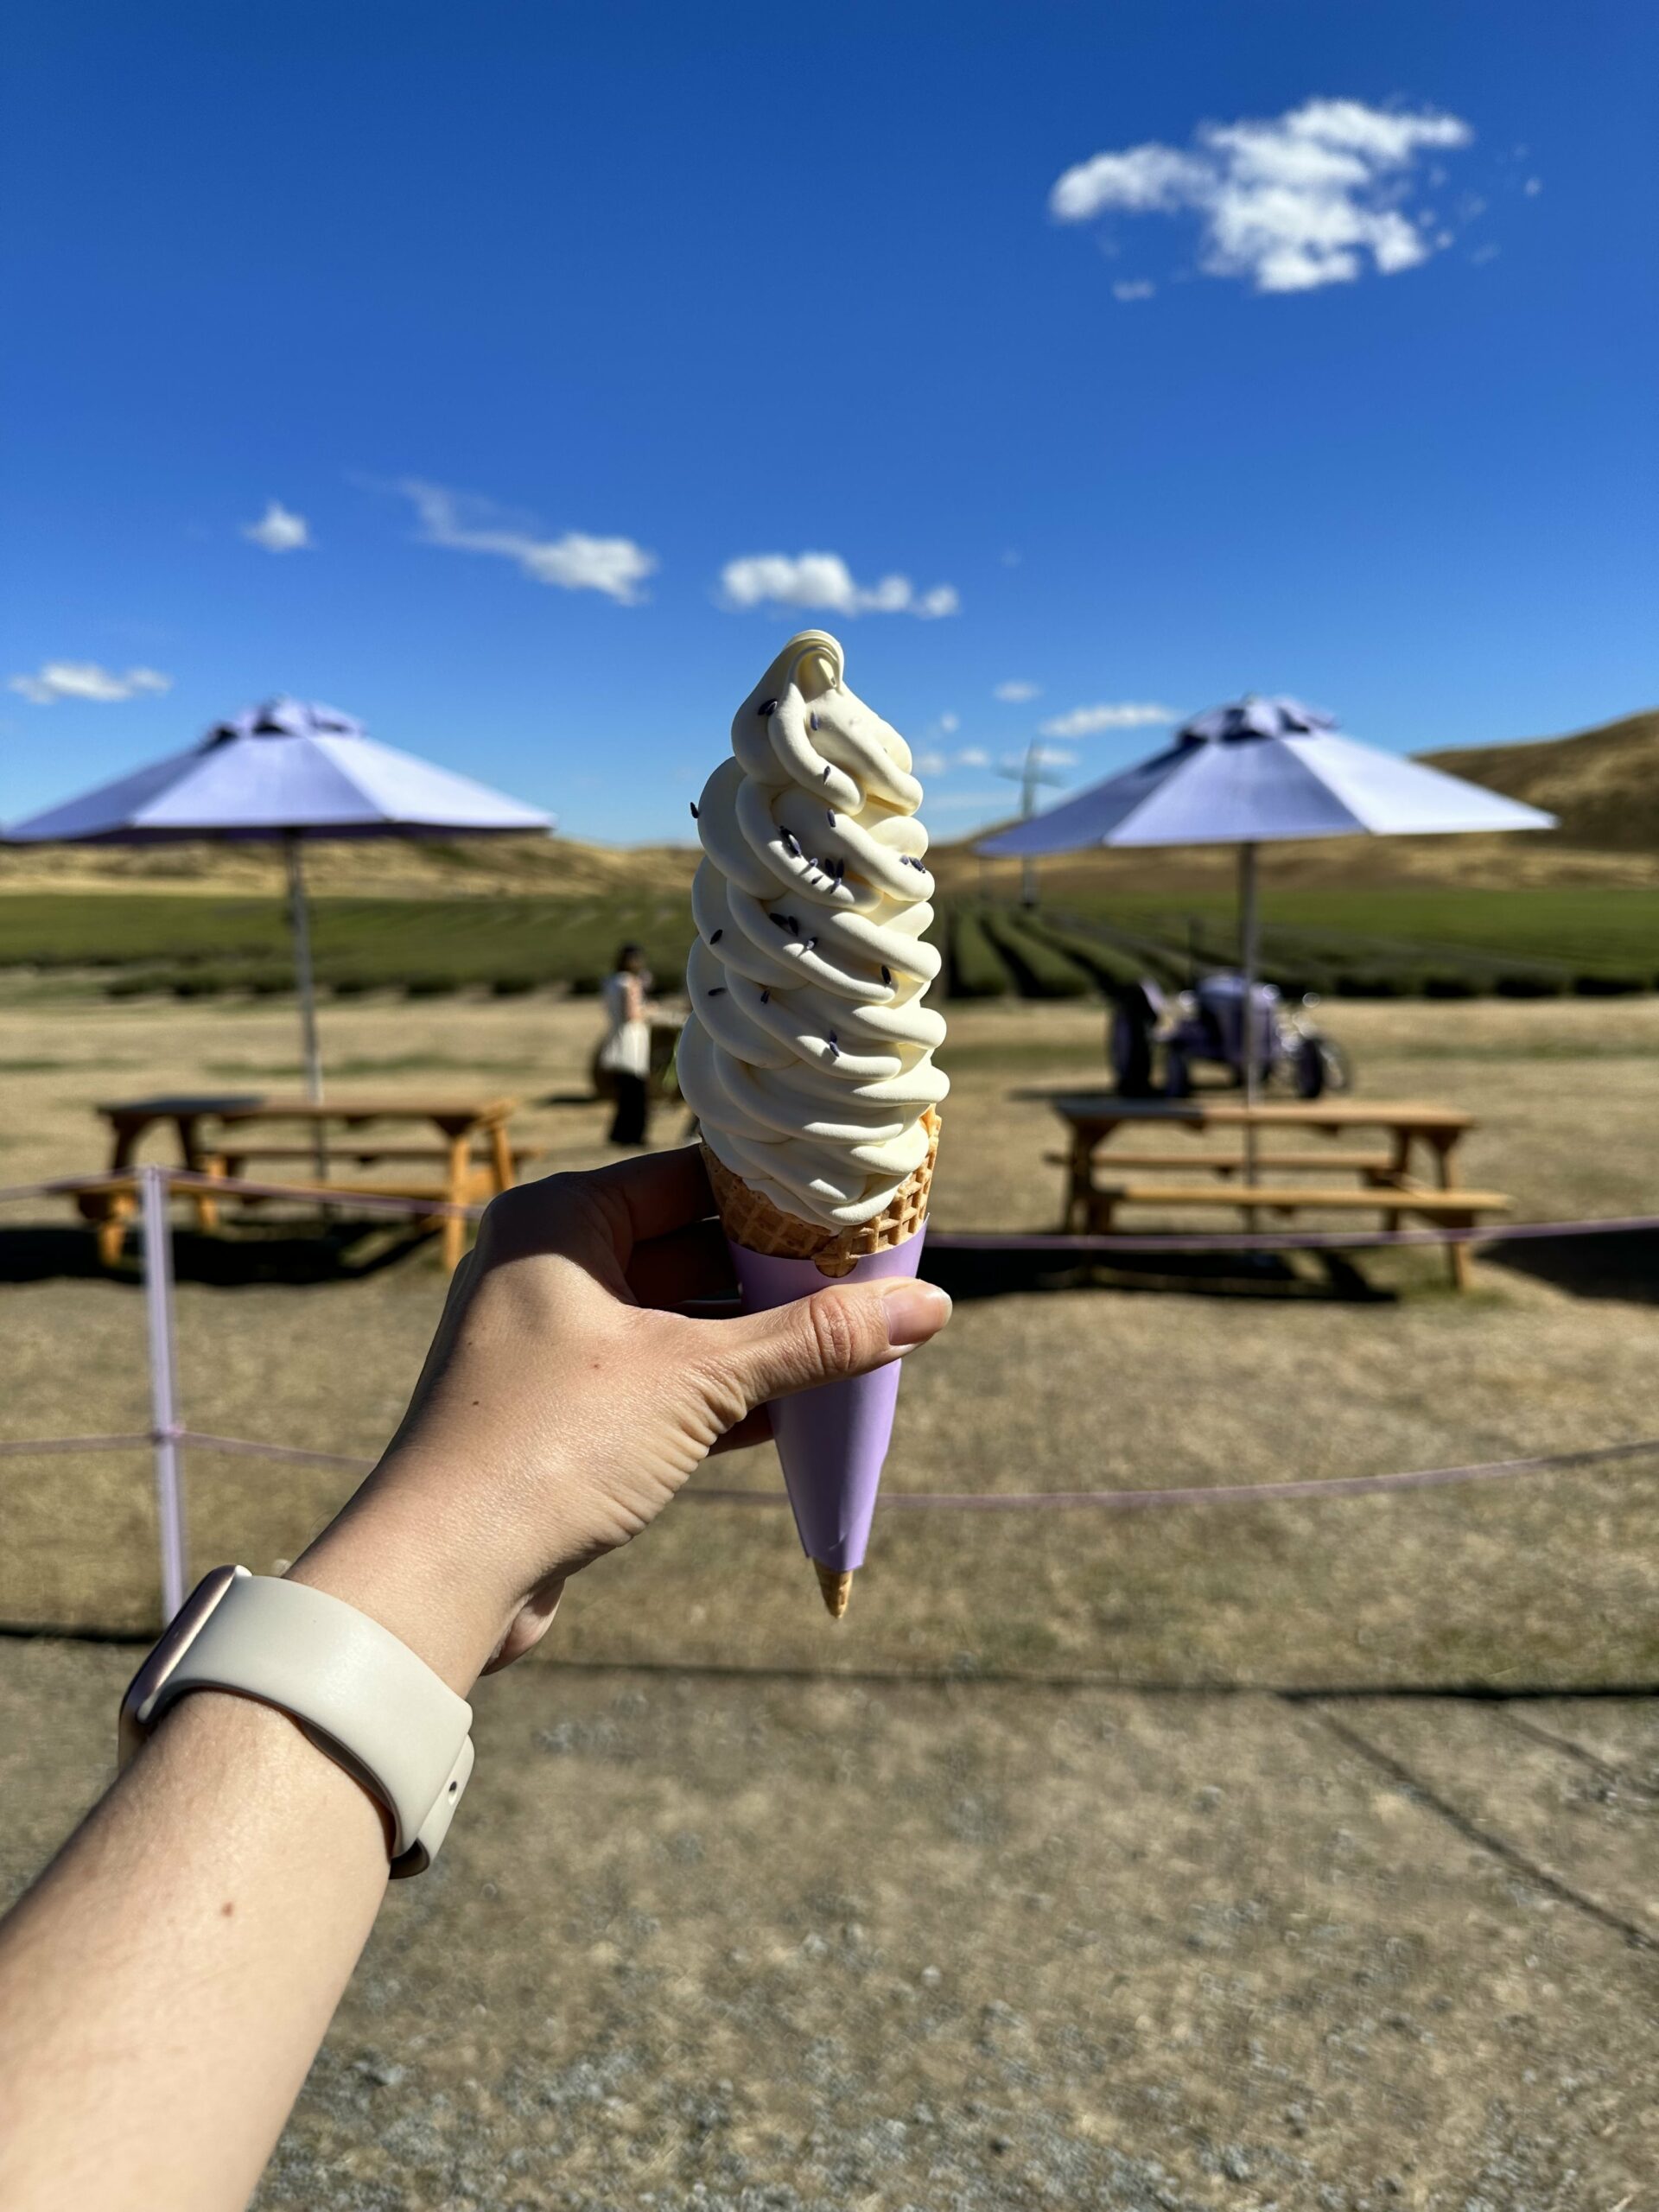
point(832, 1442)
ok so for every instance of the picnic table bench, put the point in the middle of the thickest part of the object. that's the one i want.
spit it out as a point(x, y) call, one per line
point(1101, 1177)
point(219, 1133)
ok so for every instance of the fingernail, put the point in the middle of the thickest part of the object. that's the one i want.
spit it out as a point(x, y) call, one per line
point(916, 1310)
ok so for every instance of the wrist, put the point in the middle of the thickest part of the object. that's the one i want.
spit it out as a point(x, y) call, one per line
point(428, 1581)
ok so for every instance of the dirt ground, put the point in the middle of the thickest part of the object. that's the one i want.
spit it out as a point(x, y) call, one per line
point(1104, 1859)
point(758, 1945)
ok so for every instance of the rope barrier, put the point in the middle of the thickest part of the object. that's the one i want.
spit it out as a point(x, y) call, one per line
point(1035, 1242)
point(65, 1185)
point(1281, 1239)
point(167, 1435)
point(187, 1179)
point(293, 1455)
point(16, 1447)
point(1121, 1501)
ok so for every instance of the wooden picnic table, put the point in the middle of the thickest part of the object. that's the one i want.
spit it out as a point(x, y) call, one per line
point(218, 1134)
point(1101, 1177)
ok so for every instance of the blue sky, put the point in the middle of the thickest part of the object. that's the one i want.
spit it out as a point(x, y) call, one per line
point(537, 345)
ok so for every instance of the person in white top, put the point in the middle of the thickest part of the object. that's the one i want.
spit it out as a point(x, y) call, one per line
point(625, 1056)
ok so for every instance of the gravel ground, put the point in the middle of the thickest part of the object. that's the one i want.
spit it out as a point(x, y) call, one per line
point(720, 1946)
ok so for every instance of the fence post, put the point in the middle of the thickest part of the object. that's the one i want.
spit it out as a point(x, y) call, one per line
point(163, 1396)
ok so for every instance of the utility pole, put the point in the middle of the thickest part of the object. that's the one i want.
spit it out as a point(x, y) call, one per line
point(1029, 775)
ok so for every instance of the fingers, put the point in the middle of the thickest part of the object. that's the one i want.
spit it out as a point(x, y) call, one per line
point(755, 1428)
point(660, 1190)
point(688, 1265)
point(836, 1334)
point(631, 1202)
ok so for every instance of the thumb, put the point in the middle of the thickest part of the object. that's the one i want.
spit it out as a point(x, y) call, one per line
point(833, 1334)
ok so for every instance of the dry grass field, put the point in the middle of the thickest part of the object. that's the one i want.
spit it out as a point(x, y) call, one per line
point(1059, 1389)
point(1096, 1858)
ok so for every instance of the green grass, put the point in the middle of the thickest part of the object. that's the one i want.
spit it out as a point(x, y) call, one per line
point(977, 969)
point(1437, 941)
point(199, 947)
point(1041, 969)
point(1587, 930)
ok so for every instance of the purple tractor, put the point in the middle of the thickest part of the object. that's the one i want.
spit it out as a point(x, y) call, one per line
point(1155, 1041)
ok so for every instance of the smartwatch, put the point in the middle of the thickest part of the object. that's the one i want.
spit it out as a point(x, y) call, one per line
point(362, 1697)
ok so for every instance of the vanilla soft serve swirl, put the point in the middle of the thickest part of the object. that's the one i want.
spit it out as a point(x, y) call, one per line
point(808, 1059)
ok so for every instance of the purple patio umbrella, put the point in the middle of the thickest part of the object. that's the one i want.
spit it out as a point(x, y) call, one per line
point(285, 772)
point(1257, 771)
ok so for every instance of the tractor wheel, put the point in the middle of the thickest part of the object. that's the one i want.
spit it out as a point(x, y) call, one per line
point(1129, 1050)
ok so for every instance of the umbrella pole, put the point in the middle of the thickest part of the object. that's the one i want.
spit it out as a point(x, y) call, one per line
point(1249, 957)
point(300, 922)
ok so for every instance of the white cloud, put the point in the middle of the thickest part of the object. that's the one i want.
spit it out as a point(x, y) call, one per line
point(615, 566)
point(942, 599)
point(935, 763)
point(1289, 203)
point(85, 679)
point(1533, 187)
point(1057, 756)
point(1140, 181)
point(279, 530)
point(1015, 694)
point(1139, 288)
point(824, 580)
point(1088, 721)
point(949, 722)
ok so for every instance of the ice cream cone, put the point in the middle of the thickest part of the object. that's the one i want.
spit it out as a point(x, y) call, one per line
point(837, 1586)
point(758, 1225)
point(832, 1442)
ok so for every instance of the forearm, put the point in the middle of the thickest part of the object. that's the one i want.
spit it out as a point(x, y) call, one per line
point(166, 1985)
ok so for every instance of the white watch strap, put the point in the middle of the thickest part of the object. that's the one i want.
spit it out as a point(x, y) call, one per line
point(360, 1694)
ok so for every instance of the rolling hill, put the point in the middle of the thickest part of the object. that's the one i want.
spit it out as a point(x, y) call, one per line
point(1602, 783)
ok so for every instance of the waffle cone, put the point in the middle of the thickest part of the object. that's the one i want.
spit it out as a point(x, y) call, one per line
point(837, 1584)
point(756, 1223)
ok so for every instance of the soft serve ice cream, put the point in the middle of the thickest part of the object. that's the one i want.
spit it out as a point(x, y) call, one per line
point(808, 1058)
